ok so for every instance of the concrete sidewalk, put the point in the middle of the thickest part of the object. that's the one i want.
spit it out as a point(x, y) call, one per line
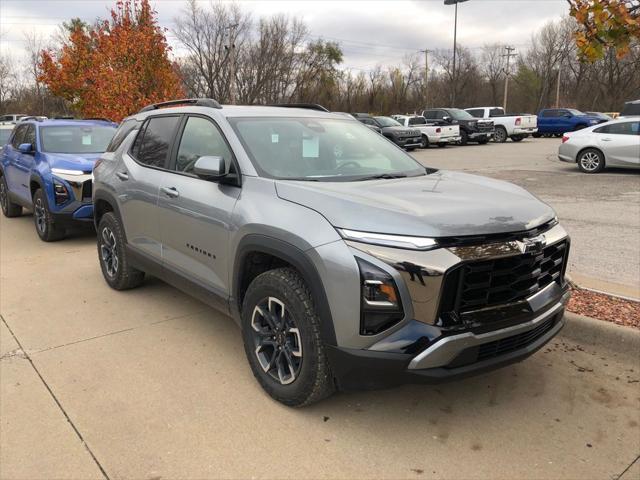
point(150, 383)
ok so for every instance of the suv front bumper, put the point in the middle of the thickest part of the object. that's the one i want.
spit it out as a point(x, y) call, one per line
point(449, 357)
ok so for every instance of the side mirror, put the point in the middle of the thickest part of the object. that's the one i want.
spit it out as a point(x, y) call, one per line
point(25, 148)
point(567, 115)
point(210, 168)
point(446, 118)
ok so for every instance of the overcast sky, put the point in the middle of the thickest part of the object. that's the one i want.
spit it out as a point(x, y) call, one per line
point(370, 32)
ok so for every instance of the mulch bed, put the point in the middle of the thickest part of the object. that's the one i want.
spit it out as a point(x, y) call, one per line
point(605, 307)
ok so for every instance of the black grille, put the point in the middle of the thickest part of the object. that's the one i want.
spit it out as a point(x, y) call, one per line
point(494, 282)
point(485, 127)
point(87, 188)
point(515, 342)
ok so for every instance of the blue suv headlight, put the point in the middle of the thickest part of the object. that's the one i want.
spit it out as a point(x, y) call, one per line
point(61, 193)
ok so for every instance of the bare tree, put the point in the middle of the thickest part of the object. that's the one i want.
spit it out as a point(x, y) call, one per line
point(492, 66)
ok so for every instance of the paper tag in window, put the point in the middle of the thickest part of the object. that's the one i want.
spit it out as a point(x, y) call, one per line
point(311, 147)
point(86, 139)
point(274, 138)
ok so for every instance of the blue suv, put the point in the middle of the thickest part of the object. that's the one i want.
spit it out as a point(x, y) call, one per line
point(47, 167)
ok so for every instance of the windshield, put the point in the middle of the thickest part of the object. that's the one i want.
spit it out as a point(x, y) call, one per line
point(5, 133)
point(387, 122)
point(76, 138)
point(458, 114)
point(320, 149)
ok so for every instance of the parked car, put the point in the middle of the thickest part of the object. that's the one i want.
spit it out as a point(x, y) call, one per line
point(268, 215)
point(600, 115)
point(611, 144)
point(471, 129)
point(507, 125)
point(440, 135)
point(556, 121)
point(408, 138)
point(46, 167)
point(11, 117)
point(631, 109)
point(5, 133)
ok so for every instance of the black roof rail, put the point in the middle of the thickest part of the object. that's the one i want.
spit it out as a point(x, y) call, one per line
point(308, 106)
point(36, 118)
point(198, 102)
point(99, 119)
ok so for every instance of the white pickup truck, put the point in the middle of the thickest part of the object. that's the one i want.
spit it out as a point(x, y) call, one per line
point(508, 125)
point(441, 135)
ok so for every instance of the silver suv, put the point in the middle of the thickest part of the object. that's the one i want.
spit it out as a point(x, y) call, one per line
point(346, 263)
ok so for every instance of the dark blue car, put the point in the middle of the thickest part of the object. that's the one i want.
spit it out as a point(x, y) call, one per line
point(47, 167)
point(556, 121)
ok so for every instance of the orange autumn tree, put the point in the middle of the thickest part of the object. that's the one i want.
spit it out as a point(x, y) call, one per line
point(114, 68)
point(605, 24)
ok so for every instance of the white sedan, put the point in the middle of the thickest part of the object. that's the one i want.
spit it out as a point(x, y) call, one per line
point(611, 144)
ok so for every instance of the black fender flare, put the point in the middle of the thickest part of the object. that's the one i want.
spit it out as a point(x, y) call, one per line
point(296, 257)
point(35, 178)
point(111, 200)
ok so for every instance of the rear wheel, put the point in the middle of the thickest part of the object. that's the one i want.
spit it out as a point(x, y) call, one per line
point(591, 161)
point(501, 135)
point(281, 334)
point(424, 142)
point(47, 230)
point(9, 209)
point(442, 145)
point(517, 138)
point(112, 254)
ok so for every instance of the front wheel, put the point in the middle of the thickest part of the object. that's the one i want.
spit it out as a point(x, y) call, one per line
point(536, 135)
point(281, 334)
point(464, 138)
point(47, 230)
point(483, 141)
point(424, 142)
point(591, 161)
point(9, 209)
point(112, 254)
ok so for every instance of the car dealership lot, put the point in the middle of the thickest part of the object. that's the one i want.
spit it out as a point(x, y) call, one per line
point(150, 383)
point(601, 212)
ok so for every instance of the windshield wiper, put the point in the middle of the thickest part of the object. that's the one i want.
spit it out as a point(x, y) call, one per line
point(384, 176)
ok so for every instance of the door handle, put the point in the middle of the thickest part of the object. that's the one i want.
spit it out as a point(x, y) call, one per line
point(607, 139)
point(124, 176)
point(170, 192)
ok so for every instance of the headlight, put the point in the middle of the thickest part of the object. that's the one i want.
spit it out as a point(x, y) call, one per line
point(381, 307)
point(62, 171)
point(396, 241)
point(61, 192)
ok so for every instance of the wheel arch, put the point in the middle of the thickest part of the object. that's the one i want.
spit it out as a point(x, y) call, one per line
point(283, 253)
point(35, 182)
point(104, 202)
point(599, 150)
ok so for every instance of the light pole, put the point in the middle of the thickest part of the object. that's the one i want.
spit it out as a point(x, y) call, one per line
point(232, 62)
point(455, 34)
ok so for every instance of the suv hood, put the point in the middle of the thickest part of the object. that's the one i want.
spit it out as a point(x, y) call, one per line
point(70, 161)
point(441, 204)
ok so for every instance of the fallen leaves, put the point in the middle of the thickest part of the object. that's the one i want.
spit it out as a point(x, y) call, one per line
point(605, 307)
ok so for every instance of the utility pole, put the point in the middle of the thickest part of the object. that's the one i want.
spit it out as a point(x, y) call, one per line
point(558, 84)
point(455, 48)
point(507, 73)
point(426, 76)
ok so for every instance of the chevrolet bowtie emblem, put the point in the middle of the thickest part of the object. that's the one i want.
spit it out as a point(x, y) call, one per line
point(533, 244)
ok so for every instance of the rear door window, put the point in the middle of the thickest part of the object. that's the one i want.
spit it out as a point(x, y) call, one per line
point(153, 143)
point(476, 112)
point(622, 128)
point(417, 121)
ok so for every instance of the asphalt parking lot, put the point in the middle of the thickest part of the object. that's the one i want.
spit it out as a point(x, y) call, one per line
point(152, 384)
point(601, 212)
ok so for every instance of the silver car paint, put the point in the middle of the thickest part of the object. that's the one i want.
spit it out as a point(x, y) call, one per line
point(215, 218)
point(618, 150)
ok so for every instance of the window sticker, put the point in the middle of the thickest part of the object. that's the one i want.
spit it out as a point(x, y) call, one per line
point(275, 138)
point(311, 147)
point(86, 139)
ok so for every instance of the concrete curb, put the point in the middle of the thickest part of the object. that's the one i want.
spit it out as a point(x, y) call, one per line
point(589, 331)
